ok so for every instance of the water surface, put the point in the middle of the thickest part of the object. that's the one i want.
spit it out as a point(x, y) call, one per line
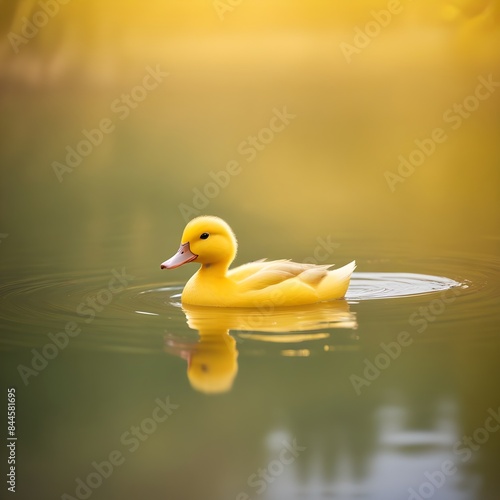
point(254, 380)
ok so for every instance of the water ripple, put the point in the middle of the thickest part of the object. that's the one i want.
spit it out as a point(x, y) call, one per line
point(34, 305)
point(372, 286)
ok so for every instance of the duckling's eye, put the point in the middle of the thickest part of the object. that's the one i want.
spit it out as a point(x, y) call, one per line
point(204, 236)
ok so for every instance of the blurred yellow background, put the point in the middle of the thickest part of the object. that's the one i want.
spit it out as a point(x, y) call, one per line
point(363, 82)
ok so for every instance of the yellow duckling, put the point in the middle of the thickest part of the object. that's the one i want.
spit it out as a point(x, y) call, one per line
point(211, 242)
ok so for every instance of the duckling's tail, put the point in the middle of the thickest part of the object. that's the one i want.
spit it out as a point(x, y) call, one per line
point(334, 285)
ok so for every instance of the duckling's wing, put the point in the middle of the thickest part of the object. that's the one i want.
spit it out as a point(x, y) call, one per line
point(241, 272)
point(277, 271)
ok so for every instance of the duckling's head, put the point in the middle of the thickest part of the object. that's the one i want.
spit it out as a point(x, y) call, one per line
point(206, 239)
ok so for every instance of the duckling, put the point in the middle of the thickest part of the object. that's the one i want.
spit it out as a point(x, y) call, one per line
point(209, 241)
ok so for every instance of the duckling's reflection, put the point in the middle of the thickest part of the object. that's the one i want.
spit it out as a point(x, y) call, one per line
point(212, 361)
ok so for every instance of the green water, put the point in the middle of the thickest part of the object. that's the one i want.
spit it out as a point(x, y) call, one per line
point(390, 394)
point(359, 434)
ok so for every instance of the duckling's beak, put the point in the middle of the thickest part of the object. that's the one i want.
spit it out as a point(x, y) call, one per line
point(182, 256)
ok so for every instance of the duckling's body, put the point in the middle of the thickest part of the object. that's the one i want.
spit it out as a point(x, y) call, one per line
point(211, 242)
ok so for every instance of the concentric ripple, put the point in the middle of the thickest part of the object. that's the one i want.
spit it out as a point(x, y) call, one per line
point(371, 286)
point(363, 287)
point(48, 299)
point(41, 302)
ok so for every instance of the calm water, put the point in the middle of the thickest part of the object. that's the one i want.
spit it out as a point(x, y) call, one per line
point(246, 382)
point(390, 394)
